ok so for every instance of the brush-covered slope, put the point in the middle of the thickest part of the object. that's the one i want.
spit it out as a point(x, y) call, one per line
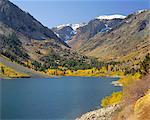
point(39, 55)
point(130, 40)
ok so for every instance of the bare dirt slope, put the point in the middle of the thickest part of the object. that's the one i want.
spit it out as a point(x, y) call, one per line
point(21, 69)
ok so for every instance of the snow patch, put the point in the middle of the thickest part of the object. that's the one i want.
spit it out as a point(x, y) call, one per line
point(110, 17)
point(73, 26)
point(106, 29)
point(61, 26)
point(56, 34)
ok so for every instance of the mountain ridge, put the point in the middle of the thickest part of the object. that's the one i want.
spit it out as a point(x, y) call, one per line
point(66, 31)
point(131, 33)
point(23, 22)
point(66, 36)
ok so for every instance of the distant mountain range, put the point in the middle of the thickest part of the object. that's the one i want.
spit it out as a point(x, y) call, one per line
point(66, 31)
point(110, 37)
point(71, 32)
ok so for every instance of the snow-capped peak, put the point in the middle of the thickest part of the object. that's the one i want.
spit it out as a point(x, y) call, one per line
point(73, 26)
point(61, 26)
point(109, 17)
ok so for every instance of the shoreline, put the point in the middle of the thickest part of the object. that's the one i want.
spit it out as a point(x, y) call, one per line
point(116, 83)
point(105, 113)
point(113, 82)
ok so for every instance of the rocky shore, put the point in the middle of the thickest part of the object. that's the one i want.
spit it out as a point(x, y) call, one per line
point(100, 114)
point(116, 83)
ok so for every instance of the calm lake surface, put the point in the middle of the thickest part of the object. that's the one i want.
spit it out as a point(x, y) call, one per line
point(53, 98)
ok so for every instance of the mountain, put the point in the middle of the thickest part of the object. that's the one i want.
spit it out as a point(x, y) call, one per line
point(99, 24)
point(23, 22)
point(26, 41)
point(129, 40)
point(66, 31)
point(19, 29)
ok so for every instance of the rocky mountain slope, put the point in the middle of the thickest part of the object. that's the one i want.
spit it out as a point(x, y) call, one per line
point(130, 39)
point(100, 24)
point(23, 22)
point(18, 29)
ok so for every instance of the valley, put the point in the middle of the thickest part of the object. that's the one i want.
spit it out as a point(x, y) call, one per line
point(110, 50)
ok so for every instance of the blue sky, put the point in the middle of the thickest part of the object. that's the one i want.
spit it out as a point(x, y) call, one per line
point(54, 12)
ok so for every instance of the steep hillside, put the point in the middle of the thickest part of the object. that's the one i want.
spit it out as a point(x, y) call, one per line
point(23, 22)
point(99, 24)
point(130, 40)
point(39, 55)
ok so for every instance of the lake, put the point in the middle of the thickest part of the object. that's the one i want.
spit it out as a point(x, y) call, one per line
point(62, 98)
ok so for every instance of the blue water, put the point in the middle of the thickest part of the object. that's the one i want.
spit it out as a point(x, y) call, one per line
point(54, 98)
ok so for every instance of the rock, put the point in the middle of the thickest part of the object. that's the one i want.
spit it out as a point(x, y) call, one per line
point(142, 108)
point(100, 114)
point(116, 83)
